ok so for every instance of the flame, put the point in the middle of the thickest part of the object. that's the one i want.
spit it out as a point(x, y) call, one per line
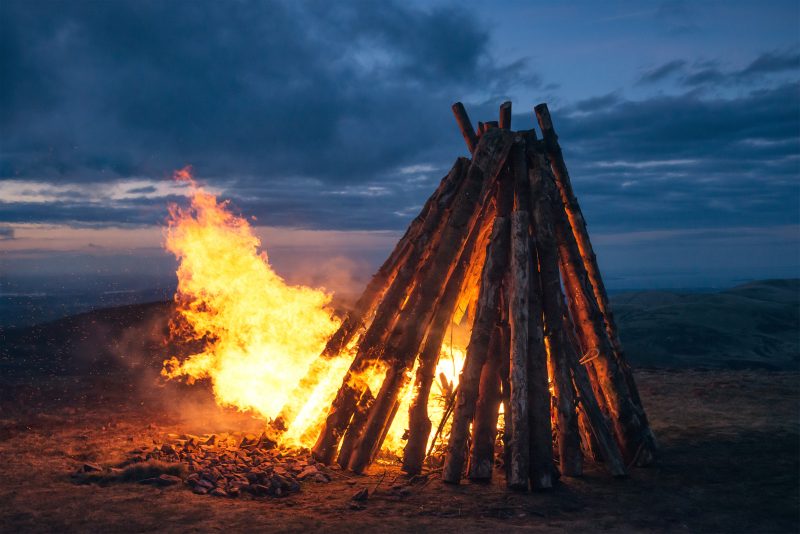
point(259, 334)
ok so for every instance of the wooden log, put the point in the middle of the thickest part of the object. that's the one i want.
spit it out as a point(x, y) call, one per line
point(589, 443)
point(354, 320)
point(355, 428)
point(465, 125)
point(505, 115)
point(481, 128)
point(505, 385)
point(589, 322)
point(603, 438)
point(486, 317)
point(484, 426)
point(575, 216)
point(568, 439)
point(519, 318)
point(492, 124)
point(419, 423)
point(371, 343)
point(407, 335)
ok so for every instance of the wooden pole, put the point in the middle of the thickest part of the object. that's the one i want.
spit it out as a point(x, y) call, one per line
point(610, 380)
point(465, 125)
point(404, 342)
point(486, 317)
point(505, 115)
point(353, 321)
point(419, 423)
point(569, 450)
point(519, 304)
point(484, 426)
point(371, 343)
point(355, 428)
point(575, 216)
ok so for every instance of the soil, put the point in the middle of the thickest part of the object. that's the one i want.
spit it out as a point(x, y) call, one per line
point(729, 449)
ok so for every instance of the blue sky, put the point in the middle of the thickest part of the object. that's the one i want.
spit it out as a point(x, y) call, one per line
point(680, 122)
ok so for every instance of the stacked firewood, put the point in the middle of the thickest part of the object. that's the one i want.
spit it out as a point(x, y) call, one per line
point(503, 230)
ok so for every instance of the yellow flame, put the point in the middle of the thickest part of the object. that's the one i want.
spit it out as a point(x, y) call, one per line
point(261, 335)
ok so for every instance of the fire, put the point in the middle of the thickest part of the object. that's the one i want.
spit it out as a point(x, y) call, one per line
point(260, 335)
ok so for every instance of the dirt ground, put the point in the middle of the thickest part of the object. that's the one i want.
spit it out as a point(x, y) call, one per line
point(730, 443)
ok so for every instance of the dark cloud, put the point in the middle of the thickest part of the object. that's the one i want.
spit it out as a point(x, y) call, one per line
point(688, 161)
point(269, 90)
point(772, 62)
point(321, 115)
point(598, 103)
point(711, 73)
point(6, 233)
point(662, 72)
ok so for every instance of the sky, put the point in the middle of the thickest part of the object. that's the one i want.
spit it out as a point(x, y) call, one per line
point(329, 123)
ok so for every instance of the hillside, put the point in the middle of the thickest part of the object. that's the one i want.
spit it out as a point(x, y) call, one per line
point(755, 325)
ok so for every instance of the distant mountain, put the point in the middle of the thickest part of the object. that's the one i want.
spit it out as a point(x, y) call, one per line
point(755, 325)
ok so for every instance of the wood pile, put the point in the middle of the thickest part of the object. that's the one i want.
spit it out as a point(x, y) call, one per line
point(505, 231)
point(220, 465)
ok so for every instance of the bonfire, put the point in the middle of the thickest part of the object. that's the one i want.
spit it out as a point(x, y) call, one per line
point(487, 329)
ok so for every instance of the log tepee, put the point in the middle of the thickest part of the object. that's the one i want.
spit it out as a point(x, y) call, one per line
point(504, 226)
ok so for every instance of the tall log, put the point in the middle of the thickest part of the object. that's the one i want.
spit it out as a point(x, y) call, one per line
point(484, 426)
point(519, 318)
point(371, 343)
point(404, 343)
point(577, 222)
point(602, 440)
point(486, 316)
point(505, 385)
point(465, 125)
point(355, 428)
point(353, 321)
point(419, 423)
point(627, 425)
point(569, 450)
point(505, 115)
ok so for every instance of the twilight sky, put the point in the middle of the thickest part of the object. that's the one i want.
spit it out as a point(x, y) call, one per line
point(330, 123)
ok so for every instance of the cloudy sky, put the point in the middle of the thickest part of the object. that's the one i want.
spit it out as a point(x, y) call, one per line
point(330, 123)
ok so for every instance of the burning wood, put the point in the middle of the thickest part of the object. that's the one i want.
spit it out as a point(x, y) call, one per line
point(538, 243)
point(500, 243)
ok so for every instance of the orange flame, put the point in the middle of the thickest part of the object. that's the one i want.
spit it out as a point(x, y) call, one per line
point(260, 335)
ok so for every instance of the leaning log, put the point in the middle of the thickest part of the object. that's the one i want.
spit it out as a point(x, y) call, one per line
point(371, 343)
point(465, 125)
point(419, 423)
point(484, 426)
point(404, 342)
point(518, 313)
point(430, 216)
point(611, 381)
point(486, 317)
point(505, 115)
point(578, 224)
point(355, 428)
point(568, 439)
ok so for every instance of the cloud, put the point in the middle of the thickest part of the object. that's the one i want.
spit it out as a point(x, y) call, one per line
point(662, 72)
point(93, 90)
point(6, 233)
point(687, 161)
point(707, 73)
